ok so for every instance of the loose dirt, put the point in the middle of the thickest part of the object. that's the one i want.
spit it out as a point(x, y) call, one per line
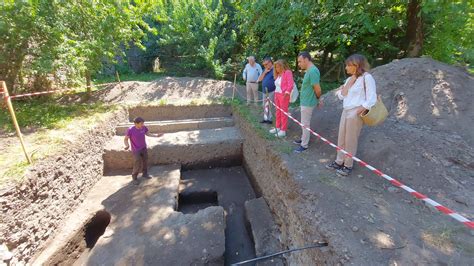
point(168, 89)
point(427, 143)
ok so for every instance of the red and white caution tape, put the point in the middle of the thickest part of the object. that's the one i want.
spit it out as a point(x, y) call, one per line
point(52, 91)
point(245, 97)
point(439, 207)
point(39, 93)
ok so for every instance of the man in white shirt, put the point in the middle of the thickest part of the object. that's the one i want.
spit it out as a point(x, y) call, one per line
point(250, 74)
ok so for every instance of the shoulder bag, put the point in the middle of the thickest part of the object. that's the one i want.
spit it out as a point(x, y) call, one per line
point(377, 114)
point(294, 93)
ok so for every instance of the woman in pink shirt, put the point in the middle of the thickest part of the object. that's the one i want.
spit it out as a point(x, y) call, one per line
point(284, 85)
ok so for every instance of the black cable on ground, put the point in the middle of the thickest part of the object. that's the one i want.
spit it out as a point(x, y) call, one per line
point(318, 245)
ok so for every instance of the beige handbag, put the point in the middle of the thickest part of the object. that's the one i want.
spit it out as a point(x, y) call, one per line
point(377, 114)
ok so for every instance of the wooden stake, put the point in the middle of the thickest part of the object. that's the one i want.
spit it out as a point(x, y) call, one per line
point(117, 77)
point(8, 101)
point(233, 90)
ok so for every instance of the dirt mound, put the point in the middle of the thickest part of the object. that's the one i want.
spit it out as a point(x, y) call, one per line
point(428, 138)
point(426, 143)
point(429, 93)
point(169, 88)
point(426, 93)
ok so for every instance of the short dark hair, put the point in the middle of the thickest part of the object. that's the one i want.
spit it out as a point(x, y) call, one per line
point(138, 120)
point(267, 59)
point(305, 55)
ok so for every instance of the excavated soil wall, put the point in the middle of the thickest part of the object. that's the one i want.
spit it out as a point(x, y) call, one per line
point(171, 112)
point(33, 210)
point(272, 180)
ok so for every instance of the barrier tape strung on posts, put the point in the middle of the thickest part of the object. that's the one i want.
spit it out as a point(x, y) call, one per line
point(245, 97)
point(458, 217)
point(53, 91)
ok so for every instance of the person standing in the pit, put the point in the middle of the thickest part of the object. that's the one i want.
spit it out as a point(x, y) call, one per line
point(268, 89)
point(359, 95)
point(309, 98)
point(250, 74)
point(136, 134)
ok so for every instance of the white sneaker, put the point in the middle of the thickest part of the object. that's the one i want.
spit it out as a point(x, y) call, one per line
point(273, 131)
point(281, 134)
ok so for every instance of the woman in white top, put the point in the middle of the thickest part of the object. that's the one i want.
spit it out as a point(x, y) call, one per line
point(359, 95)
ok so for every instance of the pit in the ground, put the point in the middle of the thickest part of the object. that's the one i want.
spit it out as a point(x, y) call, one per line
point(195, 201)
point(96, 228)
point(232, 188)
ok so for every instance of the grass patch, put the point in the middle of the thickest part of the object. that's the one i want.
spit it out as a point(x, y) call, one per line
point(248, 115)
point(47, 114)
point(15, 172)
point(284, 147)
point(49, 134)
point(448, 238)
point(49, 125)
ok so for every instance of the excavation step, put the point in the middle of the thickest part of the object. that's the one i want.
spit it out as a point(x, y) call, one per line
point(172, 112)
point(191, 149)
point(264, 231)
point(169, 126)
point(119, 198)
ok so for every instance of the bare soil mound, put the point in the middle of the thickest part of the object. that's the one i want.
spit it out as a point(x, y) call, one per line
point(427, 94)
point(426, 143)
point(169, 88)
point(424, 92)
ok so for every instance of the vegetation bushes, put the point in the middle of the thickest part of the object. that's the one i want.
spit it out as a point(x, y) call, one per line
point(66, 43)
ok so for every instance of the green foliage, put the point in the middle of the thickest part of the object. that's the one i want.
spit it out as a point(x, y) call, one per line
point(197, 35)
point(449, 27)
point(374, 28)
point(277, 28)
point(63, 40)
point(58, 43)
point(42, 113)
point(284, 28)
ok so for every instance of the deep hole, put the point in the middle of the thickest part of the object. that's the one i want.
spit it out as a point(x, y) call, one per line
point(194, 201)
point(96, 227)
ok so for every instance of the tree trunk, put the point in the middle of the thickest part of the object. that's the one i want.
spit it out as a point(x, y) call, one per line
point(414, 33)
point(323, 62)
point(88, 81)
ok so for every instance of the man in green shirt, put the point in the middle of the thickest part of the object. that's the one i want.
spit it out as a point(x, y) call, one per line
point(309, 97)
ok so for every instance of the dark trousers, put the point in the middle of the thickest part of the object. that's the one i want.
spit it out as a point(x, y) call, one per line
point(140, 161)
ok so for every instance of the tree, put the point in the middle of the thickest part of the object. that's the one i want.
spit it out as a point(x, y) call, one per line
point(65, 38)
point(198, 34)
point(276, 28)
point(414, 29)
point(448, 30)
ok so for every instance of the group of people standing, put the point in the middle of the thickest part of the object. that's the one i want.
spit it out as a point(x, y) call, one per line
point(358, 94)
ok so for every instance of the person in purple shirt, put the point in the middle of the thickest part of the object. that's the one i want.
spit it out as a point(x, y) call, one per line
point(136, 134)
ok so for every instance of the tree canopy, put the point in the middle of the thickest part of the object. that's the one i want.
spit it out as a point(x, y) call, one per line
point(63, 43)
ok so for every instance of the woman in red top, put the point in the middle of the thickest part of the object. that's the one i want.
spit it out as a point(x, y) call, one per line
point(284, 85)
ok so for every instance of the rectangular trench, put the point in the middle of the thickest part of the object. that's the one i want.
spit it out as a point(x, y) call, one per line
point(203, 186)
point(226, 187)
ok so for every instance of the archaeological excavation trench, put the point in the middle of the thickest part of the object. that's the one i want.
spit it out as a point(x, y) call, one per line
point(201, 206)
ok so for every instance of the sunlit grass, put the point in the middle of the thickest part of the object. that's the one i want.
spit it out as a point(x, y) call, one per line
point(50, 127)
